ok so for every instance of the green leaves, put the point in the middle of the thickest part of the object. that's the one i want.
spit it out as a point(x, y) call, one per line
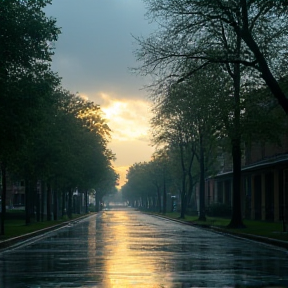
point(45, 131)
point(25, 33)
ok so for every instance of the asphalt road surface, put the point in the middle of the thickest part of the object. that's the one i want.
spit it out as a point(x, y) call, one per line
point(125, 248)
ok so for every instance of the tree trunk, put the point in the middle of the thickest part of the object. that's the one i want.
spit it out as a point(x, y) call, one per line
point(42, 200)
point(183, 191)
point(236, 220)
point(38, 203)
point(164, 196)
point(55, 204)
point(190, 179)
point(202, 213)
point(190, 188)
point(159, 200)
point(183, 196)
point(49, 202)
point(27, 202)
point(63, 206)
point(97, 202)
point(69, 212)
point(3, 204)
point(155, 204)
point(86, 201)
point(266, 74)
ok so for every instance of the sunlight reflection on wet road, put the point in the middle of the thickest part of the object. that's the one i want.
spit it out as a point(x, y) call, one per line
point(123, 249)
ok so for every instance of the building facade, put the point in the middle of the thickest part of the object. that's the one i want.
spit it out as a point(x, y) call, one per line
point(264, 184)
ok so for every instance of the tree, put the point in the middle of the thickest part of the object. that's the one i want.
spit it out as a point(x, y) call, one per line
point(22, 110)
point(26, 35)
point(175, 136)
point(139, 187)
point(79, 149)
point(188, 117)
point(106, 184)
point(194, 34)
point(199, 31)
point(63, 151)
point(161, 156)
point(31, 104)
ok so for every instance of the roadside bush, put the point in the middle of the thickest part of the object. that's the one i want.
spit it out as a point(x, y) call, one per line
point(219, 210)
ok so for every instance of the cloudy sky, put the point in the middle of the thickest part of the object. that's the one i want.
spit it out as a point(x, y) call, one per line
point(93, 56)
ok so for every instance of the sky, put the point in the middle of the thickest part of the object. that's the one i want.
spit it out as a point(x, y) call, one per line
point(93, 56)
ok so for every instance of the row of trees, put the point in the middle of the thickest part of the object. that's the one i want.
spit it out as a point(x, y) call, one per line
point(211, 62)
point(192, 130)
point(47, 133)
point(152, 185)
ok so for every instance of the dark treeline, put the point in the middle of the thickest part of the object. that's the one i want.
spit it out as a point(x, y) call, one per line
point(219, 71)
point(53, 140)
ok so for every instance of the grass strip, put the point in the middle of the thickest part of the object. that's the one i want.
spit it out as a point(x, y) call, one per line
point(17, 227)
point(273, 230)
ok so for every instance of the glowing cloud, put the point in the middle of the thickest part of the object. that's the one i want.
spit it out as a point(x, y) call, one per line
point(129, 121)
point(127, 118)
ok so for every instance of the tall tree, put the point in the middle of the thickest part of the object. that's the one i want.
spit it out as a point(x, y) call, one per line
point(26, 35)
point(192, 31)
point(188, 117)
point(194, 34)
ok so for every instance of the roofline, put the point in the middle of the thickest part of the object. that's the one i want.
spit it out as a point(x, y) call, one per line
point(258, 165)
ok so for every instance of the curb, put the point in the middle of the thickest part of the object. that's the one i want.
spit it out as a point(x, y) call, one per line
point(12, 241)
point(260, 239)
point(19, 239)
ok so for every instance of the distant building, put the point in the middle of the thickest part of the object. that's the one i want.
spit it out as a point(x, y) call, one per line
point(264, 183)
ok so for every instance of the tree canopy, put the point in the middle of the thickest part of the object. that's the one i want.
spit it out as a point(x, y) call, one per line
point(230, 51)
point(195, 33)
point(47, 134)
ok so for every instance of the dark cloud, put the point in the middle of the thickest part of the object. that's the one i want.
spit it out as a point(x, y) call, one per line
point(95, 49)
point(93, 55)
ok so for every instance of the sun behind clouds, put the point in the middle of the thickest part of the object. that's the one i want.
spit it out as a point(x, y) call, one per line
point(129, 121)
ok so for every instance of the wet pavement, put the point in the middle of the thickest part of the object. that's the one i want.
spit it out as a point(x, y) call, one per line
point(123, 249)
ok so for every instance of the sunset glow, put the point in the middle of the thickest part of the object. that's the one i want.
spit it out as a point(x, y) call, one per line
point(93, 66)
point(129, 121)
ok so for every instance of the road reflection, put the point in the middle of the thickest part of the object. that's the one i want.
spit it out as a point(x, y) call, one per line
point(125, 266)
point(124, 249)
point(141, 251)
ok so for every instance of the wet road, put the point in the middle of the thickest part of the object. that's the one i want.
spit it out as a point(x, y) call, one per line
point(123, 249)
